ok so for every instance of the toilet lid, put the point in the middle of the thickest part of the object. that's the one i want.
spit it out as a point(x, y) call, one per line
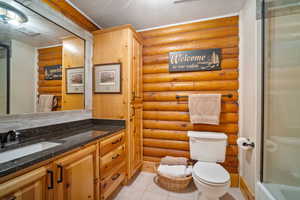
point(211, 172)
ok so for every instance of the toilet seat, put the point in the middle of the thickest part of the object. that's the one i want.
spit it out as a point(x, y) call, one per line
point(211, 173)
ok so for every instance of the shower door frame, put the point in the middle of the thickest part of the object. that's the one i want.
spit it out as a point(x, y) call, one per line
point(262, 125)
point(7, 48)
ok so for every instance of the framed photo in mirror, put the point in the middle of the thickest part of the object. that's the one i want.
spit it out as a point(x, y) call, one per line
point(75, 80)
point(107, 78)
point(53, 72)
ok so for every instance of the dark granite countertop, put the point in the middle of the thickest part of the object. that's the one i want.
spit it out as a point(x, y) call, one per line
point(71, 135)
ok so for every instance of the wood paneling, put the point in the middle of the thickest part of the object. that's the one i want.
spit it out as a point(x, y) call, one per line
point(165, 119)
point(66, 9)
point(73, 57)
point(49, 57)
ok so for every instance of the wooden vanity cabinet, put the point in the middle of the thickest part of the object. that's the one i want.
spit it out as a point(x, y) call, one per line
point(30, 186)
point(76, 175)
point(91, 172)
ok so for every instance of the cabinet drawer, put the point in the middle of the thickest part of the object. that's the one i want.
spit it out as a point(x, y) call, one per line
point(111, 143)
point(110, 160)
point(111, 183)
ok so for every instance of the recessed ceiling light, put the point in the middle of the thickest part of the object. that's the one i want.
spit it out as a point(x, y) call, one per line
point(11, 15)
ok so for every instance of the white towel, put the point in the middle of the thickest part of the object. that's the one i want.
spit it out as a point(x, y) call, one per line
point(45, 103)
point(178, 171)
point(205, 108)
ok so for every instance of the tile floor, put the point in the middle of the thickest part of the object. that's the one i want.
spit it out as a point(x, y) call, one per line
point(143, 188)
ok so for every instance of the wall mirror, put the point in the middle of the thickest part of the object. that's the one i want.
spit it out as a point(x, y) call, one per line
point(41, 64)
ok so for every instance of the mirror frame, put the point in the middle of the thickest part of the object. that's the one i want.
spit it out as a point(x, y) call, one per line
point(44, 10)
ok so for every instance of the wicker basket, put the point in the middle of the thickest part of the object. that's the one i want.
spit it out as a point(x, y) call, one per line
point(171, 183)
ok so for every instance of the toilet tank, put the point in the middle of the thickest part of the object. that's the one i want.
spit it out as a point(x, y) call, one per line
point(207, 146)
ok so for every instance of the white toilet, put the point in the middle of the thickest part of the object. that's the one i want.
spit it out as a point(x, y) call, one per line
point(210, 178)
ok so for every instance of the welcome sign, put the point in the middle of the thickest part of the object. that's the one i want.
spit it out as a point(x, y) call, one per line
point(196, 60)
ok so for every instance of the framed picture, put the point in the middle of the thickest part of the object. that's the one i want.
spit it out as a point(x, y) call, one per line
point(53, 72)
point(75, 80)
point(107, 78)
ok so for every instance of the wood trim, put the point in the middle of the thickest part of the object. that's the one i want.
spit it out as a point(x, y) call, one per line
point(69, 11)
point(150, 167)
point(201, 25)
point(136, 35)
point(246, 191)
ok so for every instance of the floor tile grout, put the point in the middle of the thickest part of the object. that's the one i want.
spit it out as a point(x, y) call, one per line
point(145, 186)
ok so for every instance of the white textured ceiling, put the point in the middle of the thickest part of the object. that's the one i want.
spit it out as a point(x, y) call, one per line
point(151, 13)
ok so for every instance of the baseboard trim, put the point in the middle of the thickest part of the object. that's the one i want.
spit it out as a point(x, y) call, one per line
point(246, 191)
point(150, 167)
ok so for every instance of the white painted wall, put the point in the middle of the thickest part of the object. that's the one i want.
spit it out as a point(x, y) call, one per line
point(250, 96)
point(22, 74)
point(3, 84)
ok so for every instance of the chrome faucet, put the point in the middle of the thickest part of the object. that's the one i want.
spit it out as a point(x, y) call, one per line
point(11, 137)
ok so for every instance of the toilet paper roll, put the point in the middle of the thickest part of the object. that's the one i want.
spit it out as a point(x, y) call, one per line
point(244, 143)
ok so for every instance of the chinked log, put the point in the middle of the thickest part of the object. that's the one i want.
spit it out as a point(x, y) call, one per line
point(191, 36)
point(177, 135)
point(50, 56)
point(231, 74)
point(50, 50)
point(45, 90)
point(191, 86)
point(50, 62)
point(186, 126)
point(216, 23)
point(175, 106)
point(184, 116)
point(159, 148)
point(231, 63)
point(227, 42)
point(168, 144)
point(53, 93)
point(171, 96)
point(52, 83)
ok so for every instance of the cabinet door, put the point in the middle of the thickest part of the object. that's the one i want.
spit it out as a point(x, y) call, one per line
point(137, 137)
point(30, 186)
point(135, 128)
point(76, 175)
point(135, 140)
point(137, 72)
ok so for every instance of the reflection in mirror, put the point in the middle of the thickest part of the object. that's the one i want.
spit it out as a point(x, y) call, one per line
point(41, 64)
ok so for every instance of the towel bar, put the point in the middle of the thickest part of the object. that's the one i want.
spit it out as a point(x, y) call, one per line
point(224, 95)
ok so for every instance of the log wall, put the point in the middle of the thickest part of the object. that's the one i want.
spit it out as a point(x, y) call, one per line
point(47, 57)
point(166, 121)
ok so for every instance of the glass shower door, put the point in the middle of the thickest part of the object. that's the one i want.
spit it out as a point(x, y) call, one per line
point(281, 127)
point(4, 71)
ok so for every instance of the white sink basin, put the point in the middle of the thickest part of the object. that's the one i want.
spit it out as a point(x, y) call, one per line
point(26, 150)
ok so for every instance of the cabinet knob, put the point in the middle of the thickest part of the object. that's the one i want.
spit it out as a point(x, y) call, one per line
point(115, 157)
point(115, 176)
